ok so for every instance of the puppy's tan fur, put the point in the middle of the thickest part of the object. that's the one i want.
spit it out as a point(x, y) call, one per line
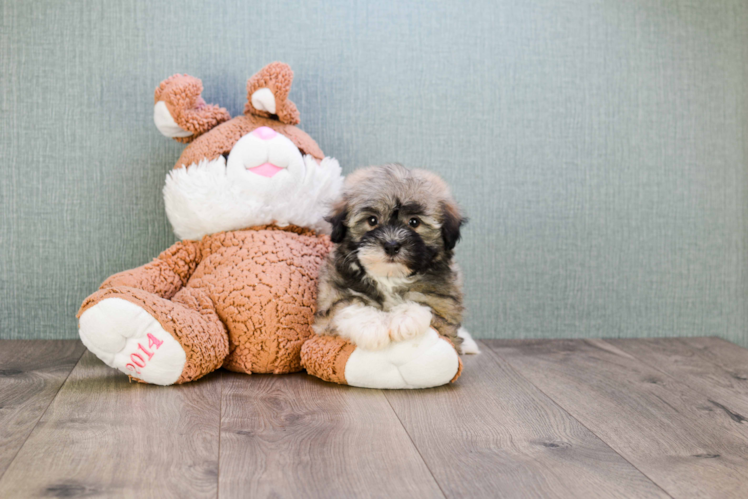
point(391, 274)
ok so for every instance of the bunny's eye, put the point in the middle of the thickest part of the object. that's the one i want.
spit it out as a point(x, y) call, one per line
point(372, 221)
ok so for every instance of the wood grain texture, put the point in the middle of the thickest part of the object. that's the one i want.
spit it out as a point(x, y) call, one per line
point(733, 359)
point(684, 442)
point(493, 434)
point(296, 436)
point(31, 373)
point(105, 437)
point(527, 419)
point(716, 368)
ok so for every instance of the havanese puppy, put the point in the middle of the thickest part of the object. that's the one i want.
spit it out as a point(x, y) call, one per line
point(392, 273)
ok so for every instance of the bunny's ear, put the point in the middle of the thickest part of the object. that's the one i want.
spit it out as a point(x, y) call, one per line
point(181, 113)
point(267, 94)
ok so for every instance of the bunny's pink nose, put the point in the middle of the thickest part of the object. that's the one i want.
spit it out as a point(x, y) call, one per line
point(264, 133)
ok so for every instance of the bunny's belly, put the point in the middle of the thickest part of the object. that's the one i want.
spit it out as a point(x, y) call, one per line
point(263, 283)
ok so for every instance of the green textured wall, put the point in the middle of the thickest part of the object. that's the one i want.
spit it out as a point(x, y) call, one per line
point(598, 146)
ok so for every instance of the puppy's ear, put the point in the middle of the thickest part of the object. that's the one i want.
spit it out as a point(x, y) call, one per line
point(337, 219)
point(451, 224)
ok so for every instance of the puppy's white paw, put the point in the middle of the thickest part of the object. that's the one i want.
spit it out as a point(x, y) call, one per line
point(366, 327)
point(372, 336)
point(409, 320)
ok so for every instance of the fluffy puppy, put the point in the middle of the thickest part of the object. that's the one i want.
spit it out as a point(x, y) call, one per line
point(391, 274)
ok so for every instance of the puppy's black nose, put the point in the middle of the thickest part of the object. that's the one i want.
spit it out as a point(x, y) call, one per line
point(391, 248)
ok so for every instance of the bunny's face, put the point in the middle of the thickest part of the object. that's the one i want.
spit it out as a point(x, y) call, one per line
point(255, 169)
point(265, 161)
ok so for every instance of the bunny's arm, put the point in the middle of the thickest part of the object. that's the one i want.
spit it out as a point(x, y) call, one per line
point(165, 275)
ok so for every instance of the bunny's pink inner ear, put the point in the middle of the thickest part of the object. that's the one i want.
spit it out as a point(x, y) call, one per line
point(267, 94)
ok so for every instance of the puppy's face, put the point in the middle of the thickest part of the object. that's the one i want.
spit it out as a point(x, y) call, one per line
point(396, 222)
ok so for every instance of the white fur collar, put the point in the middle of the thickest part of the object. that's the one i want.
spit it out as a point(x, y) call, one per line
point(201, 199)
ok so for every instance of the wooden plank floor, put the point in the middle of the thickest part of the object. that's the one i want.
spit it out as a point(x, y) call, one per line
point(653, 418)
point(31, 373)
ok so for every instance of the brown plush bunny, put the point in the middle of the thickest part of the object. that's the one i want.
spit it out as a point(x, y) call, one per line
point(247, 197)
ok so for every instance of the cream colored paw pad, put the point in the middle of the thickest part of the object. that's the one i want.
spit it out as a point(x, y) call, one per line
point(425, 361)
point(126, 337)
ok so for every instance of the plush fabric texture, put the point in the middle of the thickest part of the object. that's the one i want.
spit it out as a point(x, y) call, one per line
point(257, 285)
point(201, 199)
point(127, 337)
point(190, 318)
point(244, 298)
point(165, 275)
point(278, 78)
point(325, 357)
point(460, 365)
point(221, 139)
point(429, 360)
point(181, 94)
point(263, 282)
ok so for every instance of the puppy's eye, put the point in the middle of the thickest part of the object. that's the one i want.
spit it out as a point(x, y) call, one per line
point(414, 222)
point(372, 221)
